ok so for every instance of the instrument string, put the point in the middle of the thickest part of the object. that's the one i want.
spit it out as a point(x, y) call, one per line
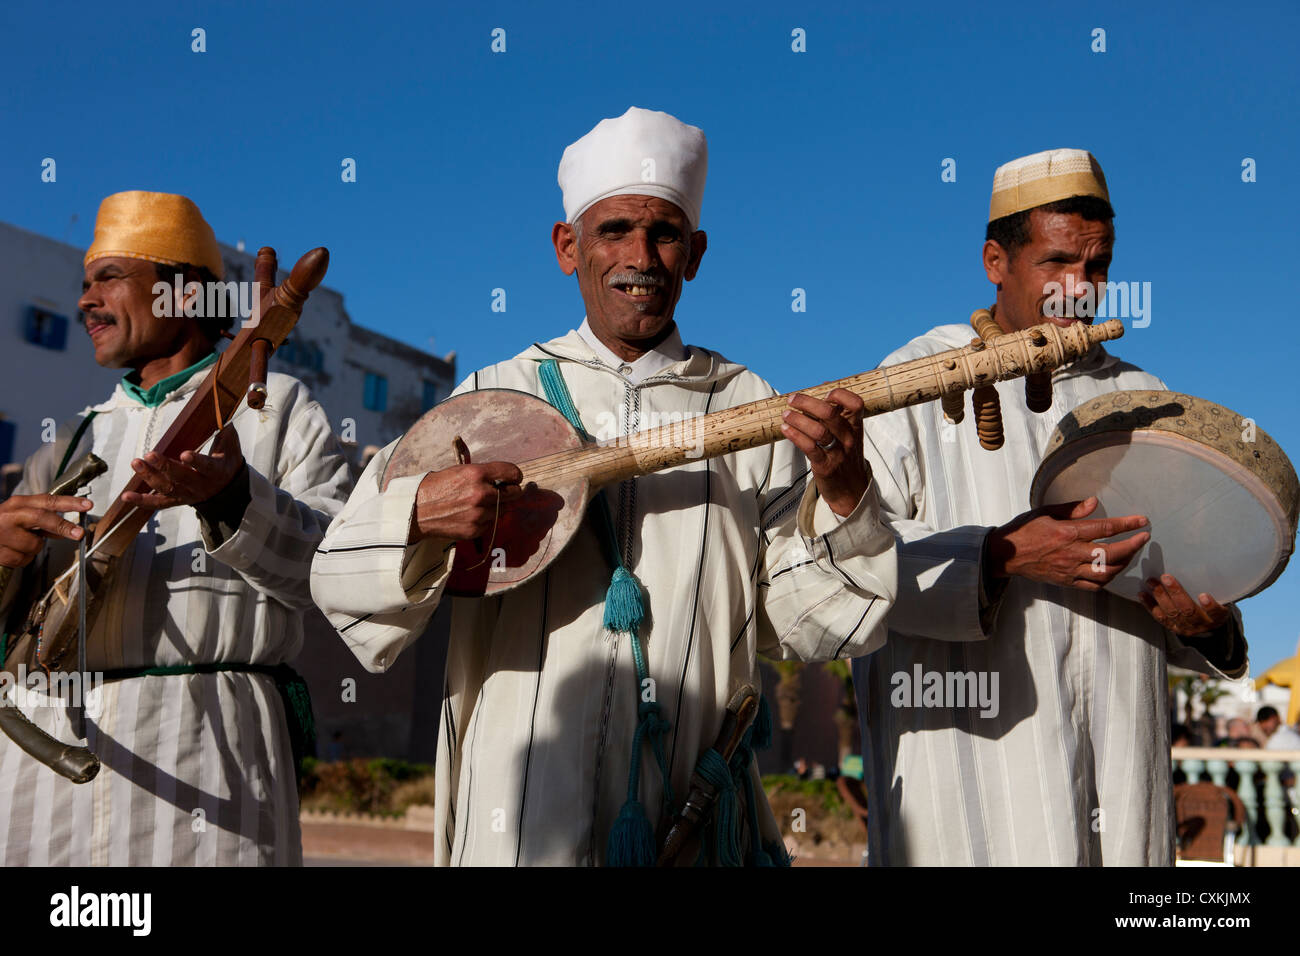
point(100, 539)
point(216, 384)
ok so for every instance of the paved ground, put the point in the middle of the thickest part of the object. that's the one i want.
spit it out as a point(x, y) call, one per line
point(338, 844)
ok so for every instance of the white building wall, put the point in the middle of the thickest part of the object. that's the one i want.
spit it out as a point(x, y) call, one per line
point(38, 383)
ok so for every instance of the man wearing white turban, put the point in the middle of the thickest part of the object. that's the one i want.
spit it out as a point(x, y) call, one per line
point(565, 741)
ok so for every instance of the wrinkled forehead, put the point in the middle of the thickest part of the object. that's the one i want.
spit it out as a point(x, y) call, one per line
point(1068, 228)
point(637, 208)
point(109, 266)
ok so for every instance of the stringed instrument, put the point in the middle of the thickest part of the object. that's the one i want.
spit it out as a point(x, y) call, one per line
point(563, 470)
point(46, 631)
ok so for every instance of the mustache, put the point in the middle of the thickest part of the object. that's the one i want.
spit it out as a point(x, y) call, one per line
point(99, 316)
point(652, 279)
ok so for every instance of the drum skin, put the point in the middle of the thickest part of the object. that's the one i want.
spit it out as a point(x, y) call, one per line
point(500, 424)
point(1221, 496)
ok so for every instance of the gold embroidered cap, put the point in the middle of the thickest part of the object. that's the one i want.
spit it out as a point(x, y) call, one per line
point(158, 227)
point(1045, 177)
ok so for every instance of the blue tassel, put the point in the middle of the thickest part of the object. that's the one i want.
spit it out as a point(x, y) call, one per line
point(762, 738)
point(726, 820)
point(623, 608)
point(632, 839)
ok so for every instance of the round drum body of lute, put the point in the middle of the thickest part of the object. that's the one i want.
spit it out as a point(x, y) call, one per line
point(499, 424)
point(1221, 496)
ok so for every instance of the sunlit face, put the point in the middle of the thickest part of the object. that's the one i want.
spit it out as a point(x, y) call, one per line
point(117, 302)
point(631, 256)
point(1064, 248)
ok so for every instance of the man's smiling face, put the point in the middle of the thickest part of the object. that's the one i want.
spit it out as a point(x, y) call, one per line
point(116, 303)
point(631, 255)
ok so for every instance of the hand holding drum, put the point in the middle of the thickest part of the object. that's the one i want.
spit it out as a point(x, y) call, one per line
point(1057, 544)
point(1060, 544)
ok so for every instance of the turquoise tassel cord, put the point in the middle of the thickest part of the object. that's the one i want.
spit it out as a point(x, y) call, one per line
point(632, 840)
point(723, 835)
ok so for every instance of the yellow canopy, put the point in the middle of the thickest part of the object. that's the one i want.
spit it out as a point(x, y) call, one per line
point(1284, 673)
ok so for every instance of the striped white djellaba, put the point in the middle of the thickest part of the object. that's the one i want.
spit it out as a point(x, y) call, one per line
point(541, 701)
point(196, 768)
point(1071, 765)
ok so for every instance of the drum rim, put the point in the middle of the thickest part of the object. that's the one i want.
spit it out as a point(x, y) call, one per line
point(1094, 417)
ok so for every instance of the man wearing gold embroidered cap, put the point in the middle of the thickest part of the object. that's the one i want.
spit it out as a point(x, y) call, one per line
point(205, 608)
point(1059, 751)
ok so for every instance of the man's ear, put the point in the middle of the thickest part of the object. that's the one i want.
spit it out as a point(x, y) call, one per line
point(996, 262)
point(699, 242)
point(566, 247)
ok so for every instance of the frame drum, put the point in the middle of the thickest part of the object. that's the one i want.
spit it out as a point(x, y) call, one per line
point(1221, 496)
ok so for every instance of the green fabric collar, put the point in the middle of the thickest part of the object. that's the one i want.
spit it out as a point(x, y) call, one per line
point(152, 397)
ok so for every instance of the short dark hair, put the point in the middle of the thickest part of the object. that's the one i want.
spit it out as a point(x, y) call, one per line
point(1266, 713)
point(210, 326)
point(1012, 232)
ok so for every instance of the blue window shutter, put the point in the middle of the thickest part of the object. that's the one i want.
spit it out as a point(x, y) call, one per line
point(46, 329)
point(376, 393)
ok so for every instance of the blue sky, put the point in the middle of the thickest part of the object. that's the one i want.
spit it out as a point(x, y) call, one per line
point(824, 166)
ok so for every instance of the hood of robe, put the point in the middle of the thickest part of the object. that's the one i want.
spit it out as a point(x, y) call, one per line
point(700, 367)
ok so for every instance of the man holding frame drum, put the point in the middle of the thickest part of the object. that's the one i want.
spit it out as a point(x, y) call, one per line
point(1017, 715)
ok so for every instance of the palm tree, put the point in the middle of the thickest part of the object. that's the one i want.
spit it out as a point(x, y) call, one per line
point(1196, 687)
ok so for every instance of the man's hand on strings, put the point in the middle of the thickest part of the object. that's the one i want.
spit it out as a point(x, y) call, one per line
point(460, 503)
point(190, 479)
point(27, 520)
point(829, 434)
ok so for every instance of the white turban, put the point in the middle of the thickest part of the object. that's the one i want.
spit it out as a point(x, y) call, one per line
point(642, 153)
